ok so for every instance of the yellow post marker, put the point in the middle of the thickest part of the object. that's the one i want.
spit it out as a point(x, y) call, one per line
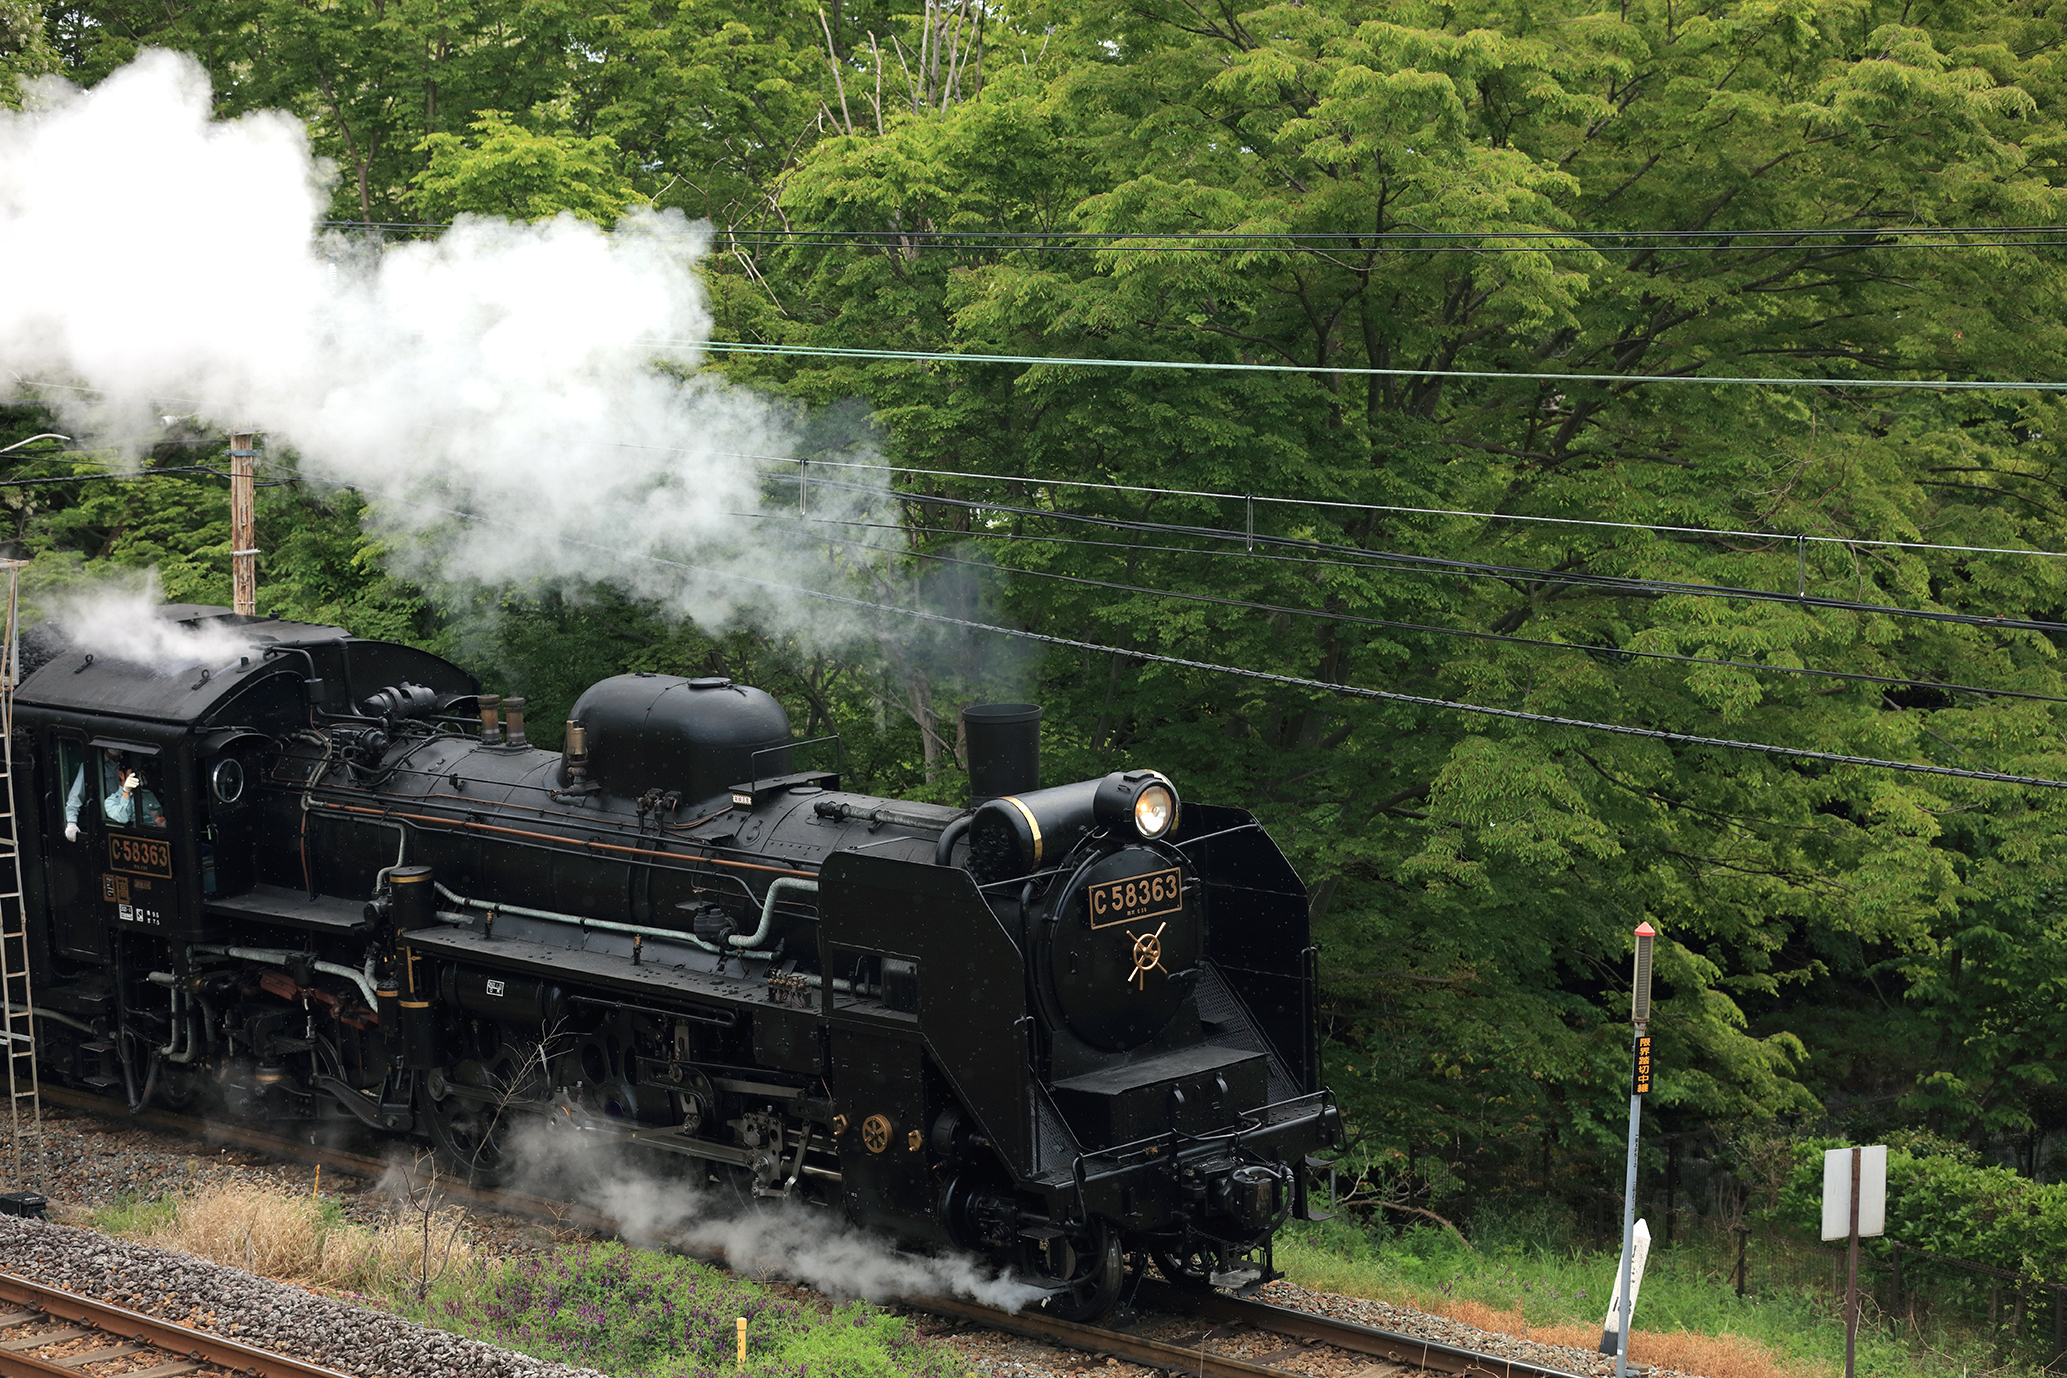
point(317, 1189)
point(742, 1342)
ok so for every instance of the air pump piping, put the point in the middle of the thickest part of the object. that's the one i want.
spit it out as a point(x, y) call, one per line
point(279, 957)
point(776, 887)
point(671, 934)
point(944, 849)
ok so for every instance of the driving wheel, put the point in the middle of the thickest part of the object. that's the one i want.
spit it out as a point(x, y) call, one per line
point(1085, 1270)
point(1190, 1267)
point(471, 1130)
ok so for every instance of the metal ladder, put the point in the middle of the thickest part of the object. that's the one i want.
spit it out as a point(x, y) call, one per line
point(17, 1000)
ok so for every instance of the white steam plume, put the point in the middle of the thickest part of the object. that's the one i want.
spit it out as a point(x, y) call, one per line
point(797, 1242)
point(117, 618)
point(167, 261)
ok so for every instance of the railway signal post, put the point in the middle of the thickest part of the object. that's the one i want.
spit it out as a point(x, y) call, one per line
point(1639, 1087)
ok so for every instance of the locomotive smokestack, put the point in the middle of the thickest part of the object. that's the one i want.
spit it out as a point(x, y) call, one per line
point(491, 730)
point(1004, 749)
point(513, 721)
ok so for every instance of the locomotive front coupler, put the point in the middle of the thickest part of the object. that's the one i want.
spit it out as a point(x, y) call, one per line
point(1171, 1179)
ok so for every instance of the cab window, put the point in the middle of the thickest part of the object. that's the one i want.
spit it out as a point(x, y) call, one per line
point(120, 783)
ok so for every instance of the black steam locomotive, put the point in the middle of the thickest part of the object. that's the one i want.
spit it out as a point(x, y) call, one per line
point(325, 878)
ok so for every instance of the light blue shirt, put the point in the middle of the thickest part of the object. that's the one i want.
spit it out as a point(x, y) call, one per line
point(116, 806)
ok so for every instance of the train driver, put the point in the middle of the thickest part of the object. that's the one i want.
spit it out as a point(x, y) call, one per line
point(124, 798)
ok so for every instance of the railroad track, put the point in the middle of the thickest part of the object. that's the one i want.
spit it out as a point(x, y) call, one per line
point(1314, 1339)
point(1383, 1353)
point(49, 1333)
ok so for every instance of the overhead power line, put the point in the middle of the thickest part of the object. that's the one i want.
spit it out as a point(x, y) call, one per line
point(1418, 235)
point(117, 476)
point(1199, 365)
point(1442, 565)
point(1357, 619)
point(1264, 676)
point(1818, 253)
point(800, 462)
point(1395, 241)
point(1337, 504)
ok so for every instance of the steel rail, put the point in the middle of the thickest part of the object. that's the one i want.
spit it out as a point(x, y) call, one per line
point(1199, 1362)
point(1391, 1345)
point(120, 1323)
point(1405, 1351)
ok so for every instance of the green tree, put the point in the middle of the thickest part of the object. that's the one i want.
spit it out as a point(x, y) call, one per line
point(372, 78)
point(25, 51)
point(1476, 882)
point(509, 171)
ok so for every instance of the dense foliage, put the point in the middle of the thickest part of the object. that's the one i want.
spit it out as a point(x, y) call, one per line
point(1943, 1199)
point(1840, 940)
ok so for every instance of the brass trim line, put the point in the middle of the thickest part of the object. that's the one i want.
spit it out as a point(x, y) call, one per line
point(1031, 822)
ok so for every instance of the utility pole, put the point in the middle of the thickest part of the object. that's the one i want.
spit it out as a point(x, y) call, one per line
point(1639, 1087)
point(243, 526)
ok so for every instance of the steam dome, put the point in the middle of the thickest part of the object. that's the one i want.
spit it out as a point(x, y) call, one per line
point(698, 736)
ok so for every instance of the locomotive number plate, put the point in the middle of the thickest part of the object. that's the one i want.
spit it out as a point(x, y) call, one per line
point(140, 856)
point(1137, 897)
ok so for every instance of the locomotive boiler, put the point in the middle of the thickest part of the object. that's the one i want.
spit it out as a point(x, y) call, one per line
point(324, 878)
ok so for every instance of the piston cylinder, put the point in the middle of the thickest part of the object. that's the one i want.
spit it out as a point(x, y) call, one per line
point(419, 1033)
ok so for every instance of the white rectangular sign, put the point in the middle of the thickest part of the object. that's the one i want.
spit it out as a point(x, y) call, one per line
point(1873, 1192)
point(1611, 1328)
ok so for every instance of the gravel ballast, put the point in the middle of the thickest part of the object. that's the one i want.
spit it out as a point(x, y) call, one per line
point(94, 1161)
point(270, 1315)
point(1422, 1325)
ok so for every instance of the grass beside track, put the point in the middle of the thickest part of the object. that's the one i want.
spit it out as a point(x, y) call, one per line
point(1788, 1325)
point(624, 1311)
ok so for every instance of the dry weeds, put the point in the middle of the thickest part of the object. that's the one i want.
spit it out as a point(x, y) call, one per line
point(1711, 1356)
point(292, 1237)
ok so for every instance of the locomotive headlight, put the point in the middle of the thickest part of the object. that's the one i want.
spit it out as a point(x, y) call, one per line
point(1141, 803)
point(1155, 809)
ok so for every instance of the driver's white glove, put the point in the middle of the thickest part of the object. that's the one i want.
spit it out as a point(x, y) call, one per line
point(71, 832)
